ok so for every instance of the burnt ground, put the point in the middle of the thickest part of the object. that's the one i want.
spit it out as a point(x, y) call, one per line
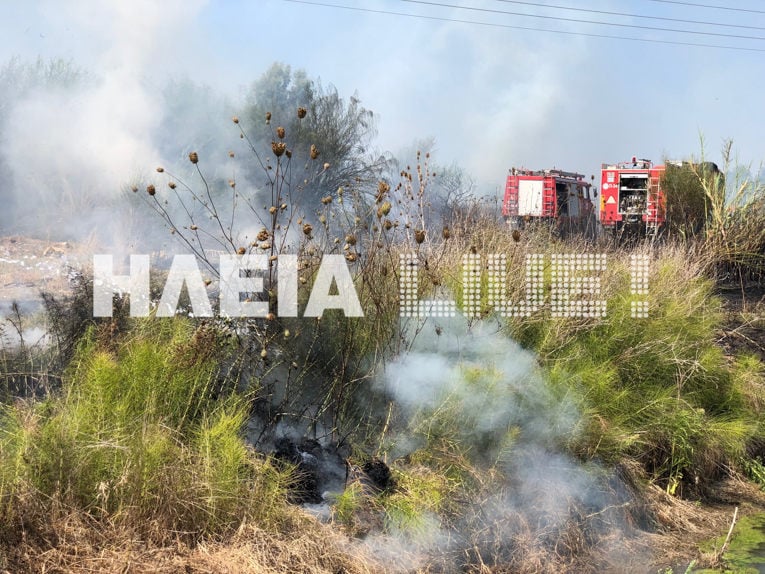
point(744, 328)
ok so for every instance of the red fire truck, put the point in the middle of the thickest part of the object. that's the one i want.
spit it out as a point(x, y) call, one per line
point(631, 198)
point(562, 198)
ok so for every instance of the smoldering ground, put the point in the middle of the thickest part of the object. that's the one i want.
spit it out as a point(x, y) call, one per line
point(478, 391)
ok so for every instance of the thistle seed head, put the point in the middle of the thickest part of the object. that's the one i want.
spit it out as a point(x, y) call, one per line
point(278, 148)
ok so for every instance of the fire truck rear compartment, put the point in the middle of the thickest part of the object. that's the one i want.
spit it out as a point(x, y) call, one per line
point(633, 195)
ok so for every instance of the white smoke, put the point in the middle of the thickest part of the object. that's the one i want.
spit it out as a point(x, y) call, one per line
point(491, 383)
point(505, 414)
point(71, 150)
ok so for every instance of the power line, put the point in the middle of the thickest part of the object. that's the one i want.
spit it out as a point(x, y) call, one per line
point(749, 10)
point(626, 14)
point(581, 21)
point(526, 28)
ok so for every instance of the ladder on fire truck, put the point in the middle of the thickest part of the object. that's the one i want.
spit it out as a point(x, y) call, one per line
point(652, 225)
point(549, 197)
point(561, 173)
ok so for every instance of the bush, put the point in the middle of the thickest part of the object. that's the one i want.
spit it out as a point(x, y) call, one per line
point(146, 435)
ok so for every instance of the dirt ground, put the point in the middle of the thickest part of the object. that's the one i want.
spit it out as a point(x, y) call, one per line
point(29, 265)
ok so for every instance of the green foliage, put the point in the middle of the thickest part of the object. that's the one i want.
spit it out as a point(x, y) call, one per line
point(658, 389)
point(16, 440)
point(755, 470)
point(348, 503)
point(413, 506)
point(144, 434)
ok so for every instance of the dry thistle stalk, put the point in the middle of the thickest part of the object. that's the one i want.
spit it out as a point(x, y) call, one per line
point(382, 189)
point(301, 112)
point(280, 132)
point(268, 118)
point(160, 169)
point(241, 251)
point(193, 157)
point(314, 152)
point(171, 185)
point(263, 234)
point(235, 119)
point(419, 235)
point(150, 189)
point(307, 229)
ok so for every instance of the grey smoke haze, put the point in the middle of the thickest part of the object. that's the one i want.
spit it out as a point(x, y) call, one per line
point(490, 97)
point(71, 148)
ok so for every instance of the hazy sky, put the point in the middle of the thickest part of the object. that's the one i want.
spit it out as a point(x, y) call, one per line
point(492, 96)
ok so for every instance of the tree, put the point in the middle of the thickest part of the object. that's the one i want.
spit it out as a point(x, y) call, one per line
point(321, 127)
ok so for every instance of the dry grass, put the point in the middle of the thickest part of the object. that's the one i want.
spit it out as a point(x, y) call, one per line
point(75, 543)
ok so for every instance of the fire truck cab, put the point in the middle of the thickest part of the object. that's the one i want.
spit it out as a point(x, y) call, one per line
point(559, 197)
point(631, 197)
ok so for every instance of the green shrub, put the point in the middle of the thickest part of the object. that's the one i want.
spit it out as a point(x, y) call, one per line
point(145, 434)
